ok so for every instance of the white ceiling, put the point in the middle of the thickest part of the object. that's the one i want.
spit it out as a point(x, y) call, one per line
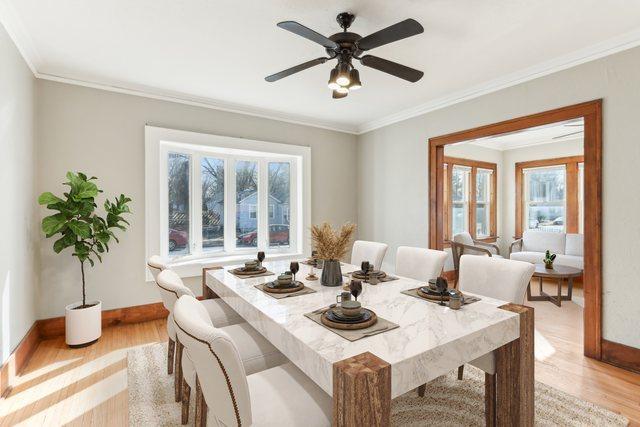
point(556, 132)
point(218, 52)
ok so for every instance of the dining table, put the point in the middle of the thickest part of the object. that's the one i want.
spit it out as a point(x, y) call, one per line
point(364, 376)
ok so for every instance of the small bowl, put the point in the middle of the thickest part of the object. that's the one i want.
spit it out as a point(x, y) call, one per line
point(351, 308)
point(251, 265)
point(284, 279)
point(432, 284)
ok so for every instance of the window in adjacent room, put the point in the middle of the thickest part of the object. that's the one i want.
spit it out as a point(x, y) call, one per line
point(470, 198)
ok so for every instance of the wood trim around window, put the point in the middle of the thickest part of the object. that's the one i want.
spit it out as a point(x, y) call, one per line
point(572, 210)
point(448, 206)
point(591, 112)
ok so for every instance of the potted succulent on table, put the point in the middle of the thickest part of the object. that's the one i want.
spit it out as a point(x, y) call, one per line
point(548, 260)
point(79, 227)
point(331, 246)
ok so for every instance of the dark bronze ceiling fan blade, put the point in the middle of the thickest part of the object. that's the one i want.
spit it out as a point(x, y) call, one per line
point(308, 33)
point(399, 31)
point(295, 69)
point(393, 68)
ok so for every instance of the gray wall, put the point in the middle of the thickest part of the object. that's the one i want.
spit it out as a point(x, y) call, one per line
point(18, 226)
point(102, 133)
point(393, 161)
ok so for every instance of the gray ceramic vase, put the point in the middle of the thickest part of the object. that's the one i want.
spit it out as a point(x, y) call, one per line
point(331, 273)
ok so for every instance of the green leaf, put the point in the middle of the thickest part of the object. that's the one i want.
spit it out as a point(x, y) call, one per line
point(54, 223)
point(87, 190)
point(80, 228)
point(48, 198)
point(65, 241)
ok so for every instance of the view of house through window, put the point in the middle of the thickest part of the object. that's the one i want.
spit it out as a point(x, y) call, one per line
point(218, 203)
point(279, 195)
point(246, 204)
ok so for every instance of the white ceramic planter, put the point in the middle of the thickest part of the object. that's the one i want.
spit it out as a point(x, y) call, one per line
point(83, 326)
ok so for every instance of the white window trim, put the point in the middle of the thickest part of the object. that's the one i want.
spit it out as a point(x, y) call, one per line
point(160, 140)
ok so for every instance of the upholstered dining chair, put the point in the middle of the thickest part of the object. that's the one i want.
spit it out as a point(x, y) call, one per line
point(464, 244)
point(419, 263)
point(171, 288)
point(256, 353)
point(373, 252)
point(227, 394)
point(497, 278)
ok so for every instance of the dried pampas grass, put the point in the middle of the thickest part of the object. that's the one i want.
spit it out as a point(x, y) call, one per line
point(329, 243)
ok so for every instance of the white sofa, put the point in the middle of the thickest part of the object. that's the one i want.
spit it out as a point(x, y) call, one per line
point(533, 245)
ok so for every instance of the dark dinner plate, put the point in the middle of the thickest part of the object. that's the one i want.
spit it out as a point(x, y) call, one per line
point(275, 285)
point(336, 316)
point(429, 291)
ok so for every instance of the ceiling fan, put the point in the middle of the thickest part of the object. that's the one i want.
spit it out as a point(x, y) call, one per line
point(347, 46)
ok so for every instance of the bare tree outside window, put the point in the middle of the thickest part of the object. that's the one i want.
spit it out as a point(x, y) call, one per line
point(279, 198)
point(178, 172)
point(212, 173)
point(246, 203)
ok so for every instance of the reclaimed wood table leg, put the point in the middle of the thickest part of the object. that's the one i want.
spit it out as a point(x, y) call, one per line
point(207, 293)
point(515, 374)
point(362, 391)
point(490, 399)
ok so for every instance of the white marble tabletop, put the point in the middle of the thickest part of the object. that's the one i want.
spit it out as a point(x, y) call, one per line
point(431, 340)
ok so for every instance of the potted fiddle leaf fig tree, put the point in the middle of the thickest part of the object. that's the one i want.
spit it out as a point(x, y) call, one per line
point(77, 225)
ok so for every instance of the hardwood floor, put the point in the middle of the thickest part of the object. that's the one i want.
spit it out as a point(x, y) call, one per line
point(561, 364)
point(88, 386)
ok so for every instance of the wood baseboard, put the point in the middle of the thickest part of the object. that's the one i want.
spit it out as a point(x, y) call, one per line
point(621, 355)
point(18, 359)
point(54, 327)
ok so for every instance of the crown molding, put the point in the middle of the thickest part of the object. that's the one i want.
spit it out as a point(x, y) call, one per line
point(203, 103)
point(15, 28)
point(608, 47)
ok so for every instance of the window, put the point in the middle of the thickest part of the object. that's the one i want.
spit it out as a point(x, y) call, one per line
point(545, 199)
point(483, 203)
point(470, 202)
point(460, 199)
point(549, 195)
point(218, 200)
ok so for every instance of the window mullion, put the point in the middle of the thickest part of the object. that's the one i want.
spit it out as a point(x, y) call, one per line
point(196, 204)
point(263, 204)
point(230, 205)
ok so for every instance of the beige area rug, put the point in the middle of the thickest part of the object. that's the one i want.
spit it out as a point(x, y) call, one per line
point(448, 402)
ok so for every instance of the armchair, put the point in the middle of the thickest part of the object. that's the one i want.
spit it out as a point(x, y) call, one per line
point(464, 244)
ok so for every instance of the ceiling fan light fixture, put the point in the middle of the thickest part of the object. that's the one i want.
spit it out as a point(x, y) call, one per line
point(333, 84)
point(338, 95)
point(354, 76)
point(343, 78)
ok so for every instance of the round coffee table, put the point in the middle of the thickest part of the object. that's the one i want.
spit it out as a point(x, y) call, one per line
point(558, 272)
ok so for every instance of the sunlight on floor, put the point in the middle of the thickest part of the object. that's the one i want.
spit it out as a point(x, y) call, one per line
point(79, 403)
point(45, 389)
point(24, 378)
point(542, 346)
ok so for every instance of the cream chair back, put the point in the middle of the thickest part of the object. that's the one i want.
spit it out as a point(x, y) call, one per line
point(373, 252)
point(171, 288)
point(217, 362)
point(419, 263)
point(503, 279)
point(155, 264)
point(464, 238)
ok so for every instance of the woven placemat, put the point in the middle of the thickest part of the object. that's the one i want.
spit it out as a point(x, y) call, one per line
point(414, 293)
point(387, 278)
point(382, 325)
point(251, 276)
point(302, 291)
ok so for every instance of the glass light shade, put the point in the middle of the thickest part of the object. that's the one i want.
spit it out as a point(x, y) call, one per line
point(333, 84)
point(355, 80)
point(342, 90)
point(343, 74)
point(338, 95)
